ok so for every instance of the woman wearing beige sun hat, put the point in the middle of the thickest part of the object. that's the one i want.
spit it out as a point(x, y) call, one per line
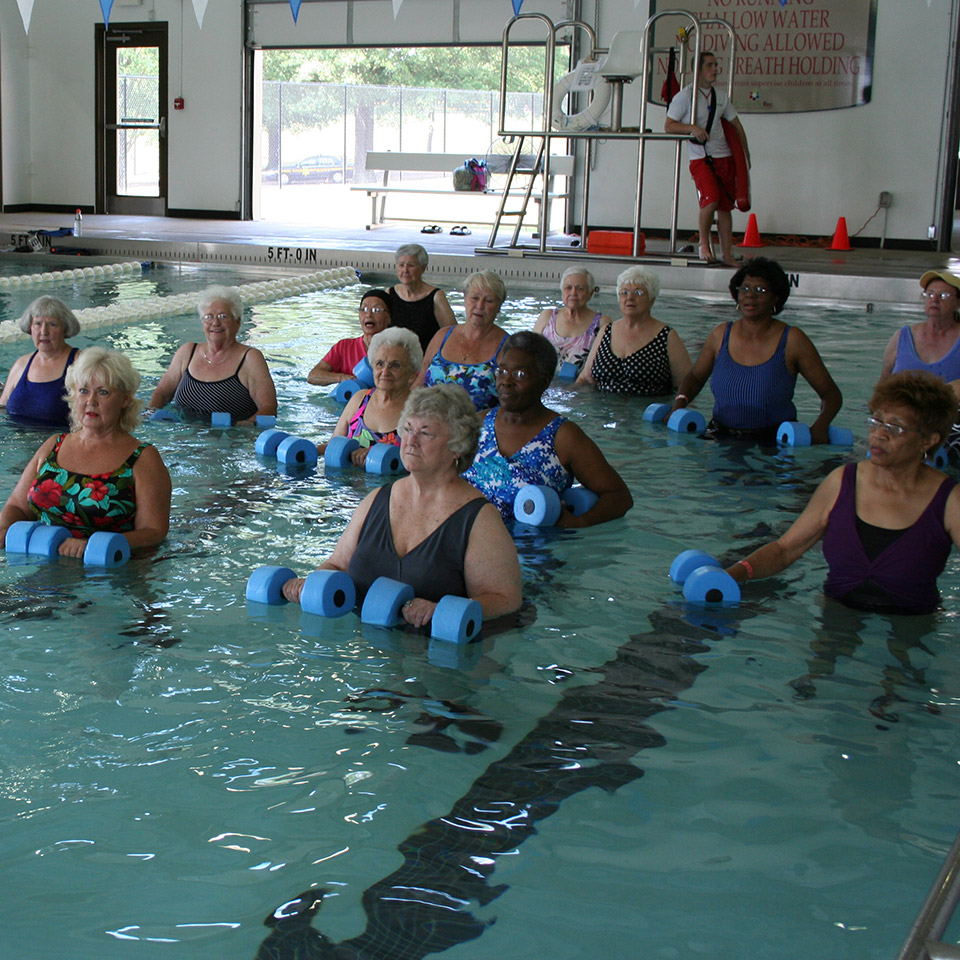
point(933, 345)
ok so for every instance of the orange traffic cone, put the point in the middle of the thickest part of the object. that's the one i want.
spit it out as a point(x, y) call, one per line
point(840, 239)
point(752, 237)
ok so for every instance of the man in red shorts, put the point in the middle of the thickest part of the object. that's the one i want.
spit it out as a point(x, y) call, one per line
point(711, 160)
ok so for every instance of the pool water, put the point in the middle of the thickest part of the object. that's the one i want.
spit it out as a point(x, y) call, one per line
point(612, 774)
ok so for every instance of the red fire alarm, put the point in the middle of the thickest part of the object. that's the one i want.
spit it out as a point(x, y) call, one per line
point(178, 103)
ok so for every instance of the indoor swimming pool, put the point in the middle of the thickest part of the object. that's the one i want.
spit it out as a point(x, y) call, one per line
point(614, 774)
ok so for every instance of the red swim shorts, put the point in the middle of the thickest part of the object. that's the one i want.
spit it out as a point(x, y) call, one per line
point(708, 188)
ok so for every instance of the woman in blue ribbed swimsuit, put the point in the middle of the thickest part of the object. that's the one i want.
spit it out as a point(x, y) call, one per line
point(754, 362)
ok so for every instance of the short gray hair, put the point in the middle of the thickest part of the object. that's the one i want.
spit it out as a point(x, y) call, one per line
point(450, 404)
point(642, 277)
point(115, 371)
point(54, 308)
point(397, 337)
point(229, 295)
point(412, 250)
point(579, 272)
point(486, 280)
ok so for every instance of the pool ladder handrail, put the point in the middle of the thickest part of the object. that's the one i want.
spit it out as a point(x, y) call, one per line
point(923, 941)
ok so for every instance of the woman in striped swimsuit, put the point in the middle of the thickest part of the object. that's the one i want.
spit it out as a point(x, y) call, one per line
point(219, 375)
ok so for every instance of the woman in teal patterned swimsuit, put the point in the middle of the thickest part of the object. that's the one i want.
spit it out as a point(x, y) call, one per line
point(98, 476)
point(466, 353)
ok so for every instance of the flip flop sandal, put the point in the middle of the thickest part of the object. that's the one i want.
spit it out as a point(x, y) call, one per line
point(455, 231)
point(431, 228)
point(464, 231)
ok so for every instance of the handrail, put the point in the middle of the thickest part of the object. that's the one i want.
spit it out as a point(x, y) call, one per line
point(923, 940)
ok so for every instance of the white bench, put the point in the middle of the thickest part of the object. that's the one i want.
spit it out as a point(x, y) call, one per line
point(388, 161)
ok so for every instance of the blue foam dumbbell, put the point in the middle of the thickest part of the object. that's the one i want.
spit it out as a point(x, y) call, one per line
point(537, 505)
point(656, 412)
point(220, 418)
point(345, 389)
point(383, 458)
point(704, 581)
point(338, 452)
point(579, 499)
point(18, 535)
point(568, 371)
point(792, 433)
point(364, 372)
point(938, 458)
point(45, 542)
point(265, 420)
point(268, 441)
point(106, 549)
point(297, 452)
point(840, 436)
point(328, 593)
point(383, 602)
point(165, 414)
point(456, 619)
point(265, 584)
point(685, 420)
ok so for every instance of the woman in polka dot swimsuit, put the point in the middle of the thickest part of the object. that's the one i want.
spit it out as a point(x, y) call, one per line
point(637, 354)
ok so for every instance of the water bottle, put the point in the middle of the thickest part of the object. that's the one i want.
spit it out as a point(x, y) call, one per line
point(78, 224)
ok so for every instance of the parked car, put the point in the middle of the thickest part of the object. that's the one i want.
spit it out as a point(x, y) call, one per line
point(316, 169)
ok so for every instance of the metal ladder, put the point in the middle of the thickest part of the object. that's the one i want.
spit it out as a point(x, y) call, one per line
point(923, 941)
point(520, 166)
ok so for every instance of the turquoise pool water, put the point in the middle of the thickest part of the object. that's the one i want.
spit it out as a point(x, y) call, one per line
point(174, 765)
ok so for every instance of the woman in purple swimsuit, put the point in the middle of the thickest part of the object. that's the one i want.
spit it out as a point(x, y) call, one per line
point(34, 391)
point(887, 523)
point(371, 416)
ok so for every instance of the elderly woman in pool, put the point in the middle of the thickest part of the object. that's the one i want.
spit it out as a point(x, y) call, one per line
point(523, 442)
point(887, 523)
point(345, 354)
point(371, 416)
point(636, 354)
point(573, 327)
point(431, 529)
point(98, 476)
point(413, 302)
point(752, 363)
point(466, 354)
point(933, 345)
point(34, 391)
point(219, 375)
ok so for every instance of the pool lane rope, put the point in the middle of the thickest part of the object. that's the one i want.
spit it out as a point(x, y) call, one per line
point(155, 308)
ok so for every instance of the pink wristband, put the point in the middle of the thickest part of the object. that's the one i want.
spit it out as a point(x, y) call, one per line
point(747, 566)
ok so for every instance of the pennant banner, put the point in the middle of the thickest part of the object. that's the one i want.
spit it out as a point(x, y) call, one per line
point(397, 4)
point(106, 6)
point(26, 11)
point(295, 9)
point(517, 4)
point(200, 8)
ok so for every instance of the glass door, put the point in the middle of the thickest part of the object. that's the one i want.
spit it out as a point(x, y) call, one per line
point(132, 121)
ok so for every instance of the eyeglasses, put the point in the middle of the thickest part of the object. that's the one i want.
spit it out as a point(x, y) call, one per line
point(894, 429)
point(757, 290)
point(210, 317)
point(373, 310)
point(502, 373)
point(937, 295)
point(423, 436)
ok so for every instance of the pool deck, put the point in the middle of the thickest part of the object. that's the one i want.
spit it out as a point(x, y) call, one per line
point(861, 275)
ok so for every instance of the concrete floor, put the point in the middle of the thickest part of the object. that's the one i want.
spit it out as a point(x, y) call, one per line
point(858, 275)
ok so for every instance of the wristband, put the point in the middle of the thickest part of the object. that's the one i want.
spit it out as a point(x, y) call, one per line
point(682, 396)
point(746, 566)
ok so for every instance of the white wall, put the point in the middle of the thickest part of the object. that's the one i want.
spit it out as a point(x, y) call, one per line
point(808, 168)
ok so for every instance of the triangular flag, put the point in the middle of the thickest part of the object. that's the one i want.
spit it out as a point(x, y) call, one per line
point(106, 6)
point(517, 4)
point(295, 9)
point(397, 4)
point(200, 8)
point(26, 10)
